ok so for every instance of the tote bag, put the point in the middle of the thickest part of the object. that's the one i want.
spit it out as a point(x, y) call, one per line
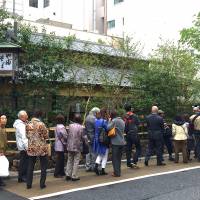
point(4, 166)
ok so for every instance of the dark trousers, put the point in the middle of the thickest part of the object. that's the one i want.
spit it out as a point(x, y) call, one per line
point(31, 165)
point(180, 146)
point(116, 159)
point(197, 146)
point(133, 139)
point(60, 164)
point(156, 144)
point(168, 144)
point(23, 165)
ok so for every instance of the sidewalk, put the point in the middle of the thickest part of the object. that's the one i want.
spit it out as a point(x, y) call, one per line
point(89, 179)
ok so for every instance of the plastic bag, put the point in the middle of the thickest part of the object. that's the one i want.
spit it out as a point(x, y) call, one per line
point(4, 166)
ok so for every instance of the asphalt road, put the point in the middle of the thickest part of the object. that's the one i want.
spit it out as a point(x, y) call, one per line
point(181, 185)
point(4, 195)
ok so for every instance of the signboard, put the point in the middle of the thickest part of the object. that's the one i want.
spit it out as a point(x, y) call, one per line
point(6, 62)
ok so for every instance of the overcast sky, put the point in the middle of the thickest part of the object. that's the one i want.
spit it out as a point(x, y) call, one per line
point(152, 19)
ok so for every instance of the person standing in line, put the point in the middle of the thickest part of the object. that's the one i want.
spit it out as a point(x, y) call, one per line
point(22, 144)
point(167, 136)
point(99, 148)
point(195, 128)
point(131, 129)
point(190, 140)
point(90, 131)
point(155, 127)
point(3, 141)
point(117, 142)
point(75, 139)
point(180, 135)
point(37, 135)
point(60, 146)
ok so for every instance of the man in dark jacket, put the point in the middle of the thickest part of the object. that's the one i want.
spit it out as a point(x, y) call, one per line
point(167, 136)
point(90, 131)
point(132, 137)
point(155, 126)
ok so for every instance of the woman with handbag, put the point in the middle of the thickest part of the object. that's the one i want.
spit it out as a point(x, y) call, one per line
point(60, 146)
point(3, 142)
point(99, 145)
point(116, 129)
point(180, 135)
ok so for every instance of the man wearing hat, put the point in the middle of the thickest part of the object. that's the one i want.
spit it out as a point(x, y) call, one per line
point(167, 136)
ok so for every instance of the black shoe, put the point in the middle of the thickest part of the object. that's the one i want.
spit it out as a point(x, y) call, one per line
point(28, 186)
point(130, 165)
point(146, 163)
point(75, 179)
point(96, 170)
point(2, 184)
point(103, 172)
point(58, 176)
point(21, 180)
point(171, 158)
point(42, 186)
point(68, 178)
point(161, 164)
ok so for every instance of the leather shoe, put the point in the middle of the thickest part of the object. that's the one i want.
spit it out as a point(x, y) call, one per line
point(75, 179)
point(21, 180)
point(161, 164)
point(42, 186)
point(68, 178)
point(146, 163)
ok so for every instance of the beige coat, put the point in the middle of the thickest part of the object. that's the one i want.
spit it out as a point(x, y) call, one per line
point(179, 132)
point(196, 122)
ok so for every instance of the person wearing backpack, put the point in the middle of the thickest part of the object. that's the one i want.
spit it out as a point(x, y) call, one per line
point(99, 148)
point(132, 137)
point(194, 127)
point(180, 135)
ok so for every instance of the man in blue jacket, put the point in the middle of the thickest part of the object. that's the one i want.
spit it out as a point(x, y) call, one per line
point(155, 126)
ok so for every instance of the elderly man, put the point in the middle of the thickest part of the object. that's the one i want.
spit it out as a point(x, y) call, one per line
point(90, 131)
point(155, 126)
point(3, 140)
point(22, 144)
point(195, 128)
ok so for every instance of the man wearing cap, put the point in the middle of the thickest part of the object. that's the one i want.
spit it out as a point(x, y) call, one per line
point(167, 136)
point(90, 131)
point(195, 124)
point(155, 127)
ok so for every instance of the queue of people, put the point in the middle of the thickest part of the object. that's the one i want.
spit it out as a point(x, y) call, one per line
point(101, 132)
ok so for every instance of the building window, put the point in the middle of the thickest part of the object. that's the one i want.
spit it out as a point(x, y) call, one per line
point(118, 1)
point(33, 3)
point(111, 24)
point(46, 3)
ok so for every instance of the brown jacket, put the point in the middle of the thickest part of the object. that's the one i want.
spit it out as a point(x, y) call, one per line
point(3, 140)
point(37, 135)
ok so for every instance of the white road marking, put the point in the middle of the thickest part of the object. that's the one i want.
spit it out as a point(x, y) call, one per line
point(111, 183)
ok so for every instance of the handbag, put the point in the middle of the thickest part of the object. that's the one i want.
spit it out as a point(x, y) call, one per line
point(112, 132)
point(4, 166)
point(85, 148)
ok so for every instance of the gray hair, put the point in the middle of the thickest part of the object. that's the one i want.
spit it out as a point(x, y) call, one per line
point(21, 112)
point(94, 111)
point(154, 109)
